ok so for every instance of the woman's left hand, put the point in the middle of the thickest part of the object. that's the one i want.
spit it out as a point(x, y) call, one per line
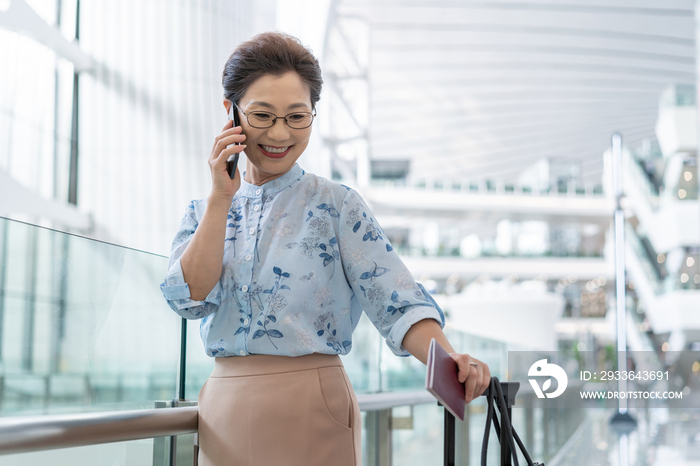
point(474, 374)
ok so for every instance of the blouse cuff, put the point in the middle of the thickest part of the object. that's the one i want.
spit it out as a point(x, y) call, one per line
point(177, 292)
point(412, 315)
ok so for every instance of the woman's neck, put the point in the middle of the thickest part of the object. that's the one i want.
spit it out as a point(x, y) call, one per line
point(257, 177)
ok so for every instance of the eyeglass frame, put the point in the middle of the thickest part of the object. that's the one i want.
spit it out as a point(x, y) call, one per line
point(312, 113)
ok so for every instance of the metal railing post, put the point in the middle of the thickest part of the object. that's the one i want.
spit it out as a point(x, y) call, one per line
point(545, 433)
point(449, 449)
point(462, 449)
point(529, 422)
point(172, 454)
point(165, 449)
point(161, 447)
point(378, 425)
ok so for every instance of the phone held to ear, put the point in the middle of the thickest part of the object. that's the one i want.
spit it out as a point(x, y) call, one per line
point(232, 161)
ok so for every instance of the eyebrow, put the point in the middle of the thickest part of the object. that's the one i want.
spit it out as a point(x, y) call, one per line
point(270, 106)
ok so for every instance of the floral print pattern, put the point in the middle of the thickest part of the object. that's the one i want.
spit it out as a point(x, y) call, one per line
point(307, 258)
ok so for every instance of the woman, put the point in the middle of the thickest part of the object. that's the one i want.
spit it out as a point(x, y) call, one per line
point(280, 264)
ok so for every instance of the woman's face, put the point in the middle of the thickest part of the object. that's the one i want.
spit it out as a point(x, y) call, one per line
point(273, 151)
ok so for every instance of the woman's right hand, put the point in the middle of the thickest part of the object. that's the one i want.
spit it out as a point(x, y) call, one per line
point(222, 184)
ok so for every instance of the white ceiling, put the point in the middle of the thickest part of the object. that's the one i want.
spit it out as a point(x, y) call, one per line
point(470, 89)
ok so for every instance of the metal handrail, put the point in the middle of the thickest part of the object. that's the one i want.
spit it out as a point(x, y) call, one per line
point(382, 401)
point(35, 433)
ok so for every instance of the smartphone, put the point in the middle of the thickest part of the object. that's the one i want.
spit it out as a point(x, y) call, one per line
point(232, 161)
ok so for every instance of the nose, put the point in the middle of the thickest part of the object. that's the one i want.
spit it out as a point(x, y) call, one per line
point(279, 131)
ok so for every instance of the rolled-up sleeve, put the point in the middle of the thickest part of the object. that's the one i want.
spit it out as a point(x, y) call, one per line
point(174, 288)
point(383, 285)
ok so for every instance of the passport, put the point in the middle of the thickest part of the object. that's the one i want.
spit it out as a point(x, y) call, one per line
point(441, 380)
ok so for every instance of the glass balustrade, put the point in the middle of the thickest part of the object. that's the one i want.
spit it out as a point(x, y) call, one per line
point(490, 187)
point(648, 183)
point(85, 328)
point(134, 453)
point(666, 283)
point(650, 186)
point(556, 250)
point(83, 325)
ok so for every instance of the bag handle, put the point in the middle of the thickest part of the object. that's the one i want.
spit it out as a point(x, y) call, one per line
point(505, 432)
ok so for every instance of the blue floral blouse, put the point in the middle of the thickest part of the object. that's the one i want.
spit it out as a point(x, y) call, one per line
point(303, 258)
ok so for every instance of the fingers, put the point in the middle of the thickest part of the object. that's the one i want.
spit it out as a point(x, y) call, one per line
point(234, 149)
point(222, 143)
point(229, 125)
point(230, 139)
point(467, 374)
point(484, 379)
point(226, 144)
point(223, 139)
point(471, 383)
point(223, 149)
point(220, 161)
point(461, 374)
point(476, 379)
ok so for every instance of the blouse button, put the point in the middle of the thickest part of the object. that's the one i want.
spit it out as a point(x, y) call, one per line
point(241, 352)
point(244, 288)
point(251, 231)
point(258, 191)
point(247, 257)
point(257, 207)
point(245, 322)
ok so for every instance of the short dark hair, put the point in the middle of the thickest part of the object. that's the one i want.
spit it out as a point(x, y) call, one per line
point(270, 53)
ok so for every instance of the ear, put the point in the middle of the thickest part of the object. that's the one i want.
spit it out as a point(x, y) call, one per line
point(227, 105)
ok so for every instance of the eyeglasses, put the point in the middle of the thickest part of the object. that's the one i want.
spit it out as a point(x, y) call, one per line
point(262, 120)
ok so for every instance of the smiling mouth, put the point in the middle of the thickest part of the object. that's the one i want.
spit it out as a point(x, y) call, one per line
point(272, 151)
point(275, 150)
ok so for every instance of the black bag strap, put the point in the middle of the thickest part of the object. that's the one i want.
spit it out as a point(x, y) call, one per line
point(505, 431)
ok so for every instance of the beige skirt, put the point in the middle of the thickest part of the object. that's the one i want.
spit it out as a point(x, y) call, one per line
point(264, 410)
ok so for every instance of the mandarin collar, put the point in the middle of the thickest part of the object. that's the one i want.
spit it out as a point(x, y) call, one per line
point(273, 186)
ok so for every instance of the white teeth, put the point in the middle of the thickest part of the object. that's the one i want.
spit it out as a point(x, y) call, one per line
point(274, 150)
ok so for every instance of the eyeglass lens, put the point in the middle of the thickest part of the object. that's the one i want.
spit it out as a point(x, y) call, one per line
point(294, 120)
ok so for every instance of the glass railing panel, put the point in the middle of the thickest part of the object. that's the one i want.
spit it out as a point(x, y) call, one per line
point(493, 187)
point(636, 174)
point(145, 452)
point(651, 186)
point(632, 238)
point(199, 365)
point(84, 324)
point(684, 279)
point(544, 431)
point(408, 374)
point(556, 250)
point(361, 364)
point(687, 187)
point(423, 444)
